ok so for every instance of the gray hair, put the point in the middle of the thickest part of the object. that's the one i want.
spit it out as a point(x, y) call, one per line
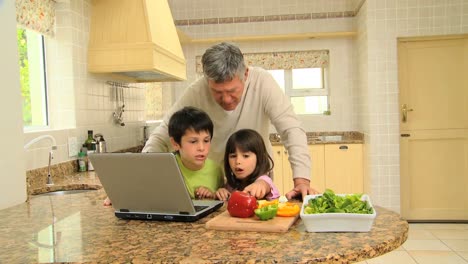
point(222, 62)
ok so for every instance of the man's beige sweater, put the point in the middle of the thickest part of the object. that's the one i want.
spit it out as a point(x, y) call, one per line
point(262, 102)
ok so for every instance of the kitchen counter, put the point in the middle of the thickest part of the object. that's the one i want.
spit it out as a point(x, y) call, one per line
point(78, 228)
point(340, 137)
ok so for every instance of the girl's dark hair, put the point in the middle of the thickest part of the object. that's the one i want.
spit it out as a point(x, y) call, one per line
point(247, 140)
point(189, 118)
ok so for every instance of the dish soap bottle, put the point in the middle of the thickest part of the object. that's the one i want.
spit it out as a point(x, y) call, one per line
point(81, 161)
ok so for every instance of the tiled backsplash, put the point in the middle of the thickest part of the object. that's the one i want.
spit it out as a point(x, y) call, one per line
point(80, 101)
point(36, 178)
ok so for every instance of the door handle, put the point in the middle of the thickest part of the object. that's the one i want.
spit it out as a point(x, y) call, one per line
point(404, 112)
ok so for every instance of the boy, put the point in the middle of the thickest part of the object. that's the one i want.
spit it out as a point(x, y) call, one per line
point(190, 131)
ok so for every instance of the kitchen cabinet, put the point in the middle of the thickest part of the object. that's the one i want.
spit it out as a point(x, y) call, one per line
point(282, 174)
point(334, 166)
point(317, 156)
point(344, 168)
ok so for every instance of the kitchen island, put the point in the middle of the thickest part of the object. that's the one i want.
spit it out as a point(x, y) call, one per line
point(78, 228)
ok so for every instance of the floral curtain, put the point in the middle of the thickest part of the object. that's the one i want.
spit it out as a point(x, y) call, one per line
point(282, 60)
point(37, 15)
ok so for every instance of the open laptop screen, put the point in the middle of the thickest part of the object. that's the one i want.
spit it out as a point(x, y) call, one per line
point(146, 183)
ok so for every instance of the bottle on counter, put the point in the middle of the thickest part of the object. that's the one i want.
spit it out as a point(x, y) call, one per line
point(90, 143)
point(90, 147)
point(81, 161)
point(90, 165)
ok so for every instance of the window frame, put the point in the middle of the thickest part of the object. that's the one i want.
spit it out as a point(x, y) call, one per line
point(42, 86)
point(291, 93)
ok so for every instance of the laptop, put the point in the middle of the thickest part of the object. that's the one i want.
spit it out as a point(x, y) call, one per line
point(148, 186)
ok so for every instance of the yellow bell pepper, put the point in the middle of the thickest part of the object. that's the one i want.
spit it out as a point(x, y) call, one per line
point(288, 209)
point(264, 203)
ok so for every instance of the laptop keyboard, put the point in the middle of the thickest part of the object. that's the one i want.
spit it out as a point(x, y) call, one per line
point(198, 208)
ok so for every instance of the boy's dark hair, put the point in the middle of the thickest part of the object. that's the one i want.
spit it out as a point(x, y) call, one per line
point(189, 118)
point(247, 140)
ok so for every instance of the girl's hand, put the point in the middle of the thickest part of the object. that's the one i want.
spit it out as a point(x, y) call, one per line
point(259, 189)
point(107, 202)
point(204, 193)
point(223, 194)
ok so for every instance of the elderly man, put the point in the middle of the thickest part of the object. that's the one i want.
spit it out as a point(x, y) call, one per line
point(236, 96)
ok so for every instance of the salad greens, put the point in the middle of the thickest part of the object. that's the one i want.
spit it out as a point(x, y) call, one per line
point(329, 202)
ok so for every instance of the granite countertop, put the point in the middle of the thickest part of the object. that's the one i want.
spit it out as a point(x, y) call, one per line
point(78, 228)
point(341, 137)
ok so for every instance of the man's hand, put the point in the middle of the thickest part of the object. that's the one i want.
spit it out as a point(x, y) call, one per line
point(301, 187)
point(259, 189)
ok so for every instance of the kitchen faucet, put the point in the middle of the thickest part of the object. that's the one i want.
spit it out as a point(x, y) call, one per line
point(54, 146)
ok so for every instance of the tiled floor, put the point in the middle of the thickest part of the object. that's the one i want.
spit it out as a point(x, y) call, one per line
point(430, 244)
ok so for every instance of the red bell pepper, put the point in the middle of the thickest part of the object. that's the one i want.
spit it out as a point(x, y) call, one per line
point(241, 204)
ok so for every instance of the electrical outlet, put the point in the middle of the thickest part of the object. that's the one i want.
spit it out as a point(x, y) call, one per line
point(72, 147)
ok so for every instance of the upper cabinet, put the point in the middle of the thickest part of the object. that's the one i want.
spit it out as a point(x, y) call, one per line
point(135, 41)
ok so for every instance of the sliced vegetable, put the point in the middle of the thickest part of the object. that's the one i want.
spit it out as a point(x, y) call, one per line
point(266, 212)
point(288, 209)
point(283, 199)
point(263, 203)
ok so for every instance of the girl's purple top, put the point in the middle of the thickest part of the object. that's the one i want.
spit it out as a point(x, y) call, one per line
point(274, 192)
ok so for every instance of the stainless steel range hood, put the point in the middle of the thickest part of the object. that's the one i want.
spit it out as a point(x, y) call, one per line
point(135, 41)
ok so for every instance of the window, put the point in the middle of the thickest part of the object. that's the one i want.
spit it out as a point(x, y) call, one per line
point(306, 87)
point(32, 78)
point(301, 74)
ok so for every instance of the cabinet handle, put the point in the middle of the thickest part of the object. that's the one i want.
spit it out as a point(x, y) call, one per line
point(279, 152)
point(343, 147)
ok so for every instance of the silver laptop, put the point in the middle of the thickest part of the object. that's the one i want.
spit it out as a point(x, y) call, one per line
point(148, 186)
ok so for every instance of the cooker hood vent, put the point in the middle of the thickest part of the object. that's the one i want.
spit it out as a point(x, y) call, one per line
point(135, 41)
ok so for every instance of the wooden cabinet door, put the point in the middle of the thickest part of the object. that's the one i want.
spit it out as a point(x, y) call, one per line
point(282, 171)
point(343, 168)
point(278, 169)
point(288, 183)
point(317, 155)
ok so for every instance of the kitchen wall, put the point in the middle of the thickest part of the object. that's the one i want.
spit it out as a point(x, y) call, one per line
point(380, 23)
point(80, 101)
point(13, 176)
point(364, 84)
point(196, 20)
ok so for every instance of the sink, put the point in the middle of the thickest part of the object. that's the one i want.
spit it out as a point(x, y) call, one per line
point(64, 192)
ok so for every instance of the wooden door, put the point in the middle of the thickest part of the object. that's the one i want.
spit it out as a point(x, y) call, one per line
point(433, 101)
point(343, 168)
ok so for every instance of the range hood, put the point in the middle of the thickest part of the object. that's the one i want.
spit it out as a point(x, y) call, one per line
point(135, 41)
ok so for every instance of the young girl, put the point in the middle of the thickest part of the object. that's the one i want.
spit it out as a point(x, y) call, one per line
point(246, 165)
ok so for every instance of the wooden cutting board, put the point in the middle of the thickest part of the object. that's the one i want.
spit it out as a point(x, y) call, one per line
point(226, 222)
